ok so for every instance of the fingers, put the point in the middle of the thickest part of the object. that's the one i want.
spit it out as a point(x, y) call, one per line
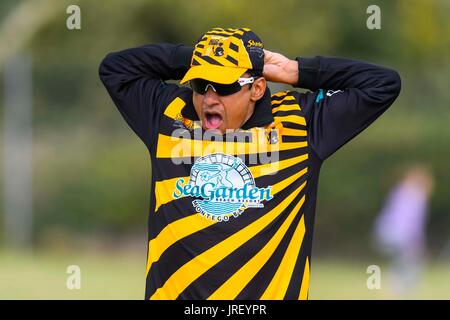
point(267, 55)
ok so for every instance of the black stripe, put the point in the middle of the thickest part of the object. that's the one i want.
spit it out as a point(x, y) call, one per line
point(282, 113)
point(279, 98)
point(211, 60)
point(169, 213)
point(232, 60)
point(281, 102)
point(293, 290)
point(218, 33)
point(288, 113)
point(207, 283)
point(293, 125)
point(200, 45)
point(234, 47)
point(286, 138)
point(305, 250)
point(195, 62)
point(176, 255)
point(256, 287)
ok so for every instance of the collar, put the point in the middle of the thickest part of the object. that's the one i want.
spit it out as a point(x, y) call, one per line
point(261, 117)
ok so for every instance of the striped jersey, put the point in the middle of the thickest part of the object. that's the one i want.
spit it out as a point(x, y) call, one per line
point(231, 216)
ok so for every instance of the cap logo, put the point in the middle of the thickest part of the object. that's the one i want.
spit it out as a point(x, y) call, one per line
point(217, 47)
point(252, 43)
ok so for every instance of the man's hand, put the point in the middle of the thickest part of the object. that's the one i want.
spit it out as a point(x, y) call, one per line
point(278, 68)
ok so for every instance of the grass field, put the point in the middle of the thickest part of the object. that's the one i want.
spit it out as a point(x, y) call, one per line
point(120, 275)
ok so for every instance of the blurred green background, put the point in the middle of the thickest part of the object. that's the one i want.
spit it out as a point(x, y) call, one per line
point(91, 174)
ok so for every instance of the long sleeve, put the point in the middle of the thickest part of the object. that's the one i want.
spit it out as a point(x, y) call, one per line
point(135, 80)
point(347, 97)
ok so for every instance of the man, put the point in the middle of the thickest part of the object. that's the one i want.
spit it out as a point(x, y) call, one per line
point(234, 167)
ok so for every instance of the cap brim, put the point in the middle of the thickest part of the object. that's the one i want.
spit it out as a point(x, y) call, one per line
point(213, 73)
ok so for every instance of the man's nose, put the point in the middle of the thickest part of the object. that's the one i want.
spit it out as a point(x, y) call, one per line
point(210, 96)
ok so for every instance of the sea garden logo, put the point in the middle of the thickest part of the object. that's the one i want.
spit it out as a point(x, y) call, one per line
point(224, 187)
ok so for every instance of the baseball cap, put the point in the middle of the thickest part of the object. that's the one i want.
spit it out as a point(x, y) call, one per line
point(223, 55)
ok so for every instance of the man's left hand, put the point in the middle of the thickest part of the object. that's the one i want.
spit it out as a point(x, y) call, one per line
point(278, 68)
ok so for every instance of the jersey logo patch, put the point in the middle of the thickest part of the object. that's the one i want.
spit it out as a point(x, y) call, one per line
point(331, 92)
point(224, 187)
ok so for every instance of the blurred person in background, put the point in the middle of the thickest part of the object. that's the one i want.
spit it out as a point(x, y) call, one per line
point(400, 229)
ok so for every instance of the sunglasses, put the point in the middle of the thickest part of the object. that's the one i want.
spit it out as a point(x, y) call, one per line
point(200, 86)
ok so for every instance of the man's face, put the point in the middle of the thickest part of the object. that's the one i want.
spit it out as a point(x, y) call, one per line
point(220, 113)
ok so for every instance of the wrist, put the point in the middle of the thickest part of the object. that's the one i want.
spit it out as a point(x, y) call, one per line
point(308, 72)
point(182, 56)
point(292, 73)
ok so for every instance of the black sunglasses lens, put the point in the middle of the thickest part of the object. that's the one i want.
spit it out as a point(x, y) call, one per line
point(227, 89)
point(200, 85)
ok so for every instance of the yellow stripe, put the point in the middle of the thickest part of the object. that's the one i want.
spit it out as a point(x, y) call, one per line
point(292, 118)
point(274, 167)
point(280, 94)
point(164, 191)
point(286, 107)
point(193, 269)
point(184, 227)
point(280, 282)
point(174, 232)
point(234, 285)
point(173, 111)
point(217, 31)
point(293, 132)
point(305, 282)
point(175, 147)
point(286, 98)
point(229, 31)
point(174, 108)
point(237, 42)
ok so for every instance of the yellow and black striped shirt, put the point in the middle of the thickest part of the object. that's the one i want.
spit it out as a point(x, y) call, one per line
point(234, 219)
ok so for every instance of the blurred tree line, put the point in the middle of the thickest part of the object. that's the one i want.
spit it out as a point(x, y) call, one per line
point(91, 174)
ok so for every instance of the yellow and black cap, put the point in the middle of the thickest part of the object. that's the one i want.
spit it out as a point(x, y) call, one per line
point(223, 55)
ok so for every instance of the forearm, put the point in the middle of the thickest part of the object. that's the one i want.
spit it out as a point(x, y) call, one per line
point(360, 93)
point(154, 61)
point(134, 78)
point(292, 72)
point(340, 74)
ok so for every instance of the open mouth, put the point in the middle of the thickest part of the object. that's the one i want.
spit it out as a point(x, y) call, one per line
point(213, 120)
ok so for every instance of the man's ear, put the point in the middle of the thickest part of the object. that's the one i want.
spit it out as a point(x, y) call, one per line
point(258, 89)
